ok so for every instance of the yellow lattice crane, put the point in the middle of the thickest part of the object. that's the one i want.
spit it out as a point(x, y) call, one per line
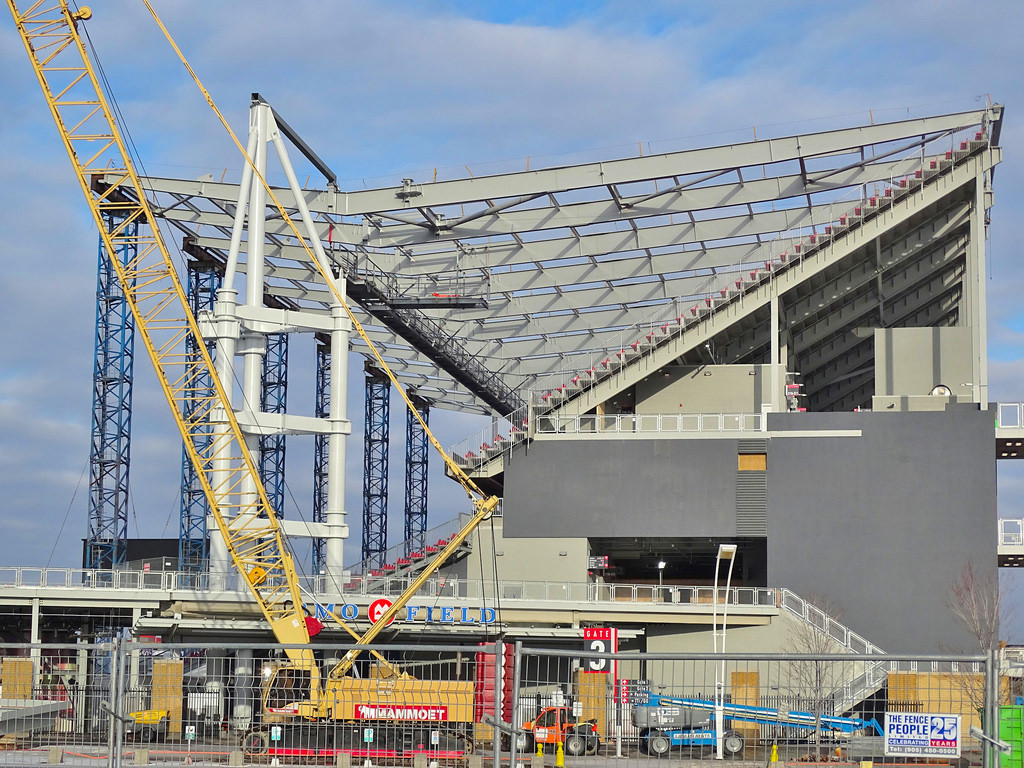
point(154, 293)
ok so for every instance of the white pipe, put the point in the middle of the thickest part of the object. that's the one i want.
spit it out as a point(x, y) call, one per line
point(225, 323)
point(334, 554)
point(252, 368)
point(243, 198)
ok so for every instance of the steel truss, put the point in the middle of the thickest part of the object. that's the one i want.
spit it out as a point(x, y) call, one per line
point(416, 465)
point(375, 467)
point(274, 399)
point(110, 447)
point(204, 280)
point(320, 449)
point(575, 259)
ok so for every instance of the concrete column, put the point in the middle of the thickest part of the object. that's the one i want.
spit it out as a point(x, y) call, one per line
point(82, 676)
point(134, 657)
point(776, 382)
point(334, 554)
point(34, 637)
point(245, 689)
point(976, 277)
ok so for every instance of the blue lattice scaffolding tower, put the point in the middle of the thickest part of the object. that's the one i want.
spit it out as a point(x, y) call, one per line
point(274, 399)
point(204, 280)
point(375, 467)
point(110, 448)
point(416, 455)
point(321, 409)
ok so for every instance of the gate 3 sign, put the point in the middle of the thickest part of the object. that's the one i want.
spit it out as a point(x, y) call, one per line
point(923, 734)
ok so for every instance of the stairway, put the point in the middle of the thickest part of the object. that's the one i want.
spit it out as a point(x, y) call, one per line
point(869, 679)
point(403, 560)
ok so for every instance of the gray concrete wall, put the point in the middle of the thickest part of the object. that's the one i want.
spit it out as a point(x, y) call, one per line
point(707, 389)
point(577, 488)
point(882, 524)
point(518, 559)
point(911, 361)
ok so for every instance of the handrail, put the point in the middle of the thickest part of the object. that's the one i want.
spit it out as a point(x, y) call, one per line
point(840, 633)
point(649, 422)
point(1011, 531)
point(670, 595)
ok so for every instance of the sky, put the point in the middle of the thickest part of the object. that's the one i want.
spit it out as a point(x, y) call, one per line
point(388, 90)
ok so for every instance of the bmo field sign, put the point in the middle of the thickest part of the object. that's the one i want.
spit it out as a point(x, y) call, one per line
point(922, 734)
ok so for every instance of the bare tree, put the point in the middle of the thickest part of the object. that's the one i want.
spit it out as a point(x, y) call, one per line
point(980, 606)
point(977, 602)
point(817, 679)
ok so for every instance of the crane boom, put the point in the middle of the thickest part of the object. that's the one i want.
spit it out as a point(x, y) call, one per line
point(153, 291)
point(157, 301)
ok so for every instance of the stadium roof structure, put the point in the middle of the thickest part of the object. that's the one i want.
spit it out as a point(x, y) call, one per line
point(489, 291)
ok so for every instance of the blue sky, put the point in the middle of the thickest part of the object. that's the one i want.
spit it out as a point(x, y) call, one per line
point(386, 90)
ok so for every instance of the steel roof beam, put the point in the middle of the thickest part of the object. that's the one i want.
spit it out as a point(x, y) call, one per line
point(617, 172)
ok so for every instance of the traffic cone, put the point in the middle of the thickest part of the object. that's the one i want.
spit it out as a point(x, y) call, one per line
point(559, 756)
point(775, 753)
point(540, 749)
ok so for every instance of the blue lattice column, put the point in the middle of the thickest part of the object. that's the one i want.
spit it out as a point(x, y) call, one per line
point(375, 467)
point(321, 410)
point(110, 447)
point(274, 399)
point(416, 456)
point(204, 280)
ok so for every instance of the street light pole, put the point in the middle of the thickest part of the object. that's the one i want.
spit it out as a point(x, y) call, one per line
point(725, 552)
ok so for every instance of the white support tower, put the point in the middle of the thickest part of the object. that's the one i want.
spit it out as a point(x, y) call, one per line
point(240, 330)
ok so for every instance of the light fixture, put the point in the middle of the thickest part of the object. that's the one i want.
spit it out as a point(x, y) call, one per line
point(725, 552)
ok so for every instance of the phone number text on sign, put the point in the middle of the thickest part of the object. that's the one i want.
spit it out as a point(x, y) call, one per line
point(921, 733)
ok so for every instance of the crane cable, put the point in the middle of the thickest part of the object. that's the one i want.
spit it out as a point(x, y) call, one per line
point(472, 489)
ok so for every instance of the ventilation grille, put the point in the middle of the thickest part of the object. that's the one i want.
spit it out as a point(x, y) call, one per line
point(756, 445)
point(752, 502)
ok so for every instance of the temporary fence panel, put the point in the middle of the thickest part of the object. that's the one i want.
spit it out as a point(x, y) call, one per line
point(55, 702)
point(120, 703)
point(790, 707)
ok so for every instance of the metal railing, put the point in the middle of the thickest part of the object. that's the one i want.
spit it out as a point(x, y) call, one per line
point(1010, 415)
point(841, 634)
point(1011, 531)
point(650, 422)
point(438, 586)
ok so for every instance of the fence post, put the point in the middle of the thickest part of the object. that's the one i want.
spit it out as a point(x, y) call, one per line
point(517, 673)
point(499, 644)
point(113, 724)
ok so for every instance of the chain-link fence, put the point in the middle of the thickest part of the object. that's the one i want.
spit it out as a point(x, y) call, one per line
point(128, 703)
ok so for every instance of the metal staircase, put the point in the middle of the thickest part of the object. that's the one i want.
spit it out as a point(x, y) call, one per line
point(871, 675)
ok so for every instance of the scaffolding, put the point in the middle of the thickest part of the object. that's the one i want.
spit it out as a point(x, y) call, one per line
point(416, 465)
point(375, 467)
point(204, 280)
point(110, 447)
point(320, 448)
point(274, 399)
